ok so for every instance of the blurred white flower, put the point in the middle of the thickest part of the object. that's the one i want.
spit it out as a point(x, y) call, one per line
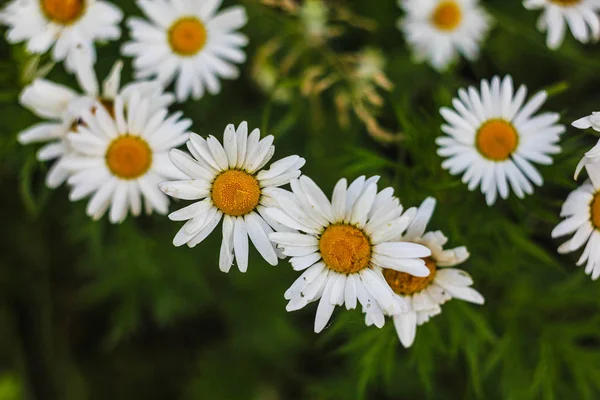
point(439, 30)
point(581, 213)
point(62, 25)
point(593, 155)
point(188, 42)
point(580, 15)
point(62, 108)
point(121, 154)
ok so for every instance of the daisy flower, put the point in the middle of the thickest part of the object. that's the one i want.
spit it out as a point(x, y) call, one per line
point(342, 245)
point(187, 41)
point(62, 25)
point(62, 107)
point(438, 31)
point(581, 213)
point(493, 138)
point(580, 15)
point(121, 154)
point(593, 155)
point(425, 295)
point(233, 186)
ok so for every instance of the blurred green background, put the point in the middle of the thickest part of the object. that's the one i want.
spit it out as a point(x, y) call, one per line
point(89, 310)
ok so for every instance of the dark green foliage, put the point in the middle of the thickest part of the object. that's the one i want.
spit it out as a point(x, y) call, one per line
point(94, 311)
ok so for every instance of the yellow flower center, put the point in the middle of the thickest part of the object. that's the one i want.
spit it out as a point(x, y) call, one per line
point(406, 284)
point(345, 249)
point(128, 157)
point(566, 3)
point(447, 15)
point(235, 192)
point(187, 36)
point(497, 140)
point(595, 210)
point(63, 11)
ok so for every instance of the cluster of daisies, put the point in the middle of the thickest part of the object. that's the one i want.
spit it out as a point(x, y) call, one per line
point(494, 138)
point(118, 146)
point(183, 41)
point(358, 247)
point(439, 31)
point(192, 44)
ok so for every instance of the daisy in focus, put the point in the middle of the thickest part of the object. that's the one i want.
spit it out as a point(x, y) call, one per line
point(342, 245)
point(581, 16)
point(120, 155)
point(593, 155)
point(581, 213)
point(494, 139)
point(188, 42)
point(438, 31)
point(62, 25)
point(62, 107)
point(425, 295)
point(231, 184)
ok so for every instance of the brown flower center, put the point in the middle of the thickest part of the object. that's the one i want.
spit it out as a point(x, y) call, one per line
point(566, 3)
point(187, 36)
point(406, 284)
point(497, 140)
point(595, 210)
point(235, 192)
point(447, 15)
point(345, 248)
point(62, 11)
point(128, 157)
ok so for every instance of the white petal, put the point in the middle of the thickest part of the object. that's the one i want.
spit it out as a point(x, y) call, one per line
point(406, 327)
point(240, 244)
point(325, 308)
point(226, 252)
point(260, 239)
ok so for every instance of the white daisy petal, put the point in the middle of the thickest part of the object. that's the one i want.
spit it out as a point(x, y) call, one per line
point(69, 29)
point(406, 327)
point(230, 145)
point(581, 18)
point(350, 296)
point(325, 307)
point(240, 244)
point(211, 223)
point(259, 238)
point(338, 199)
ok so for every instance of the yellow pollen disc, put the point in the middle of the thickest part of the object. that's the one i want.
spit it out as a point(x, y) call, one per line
point(405, 284)
point(447, 15)
point(595, 210)
point(235, 192)
point(63, 11)
point(187, 36)
point(345, 249)
point(128, 157)
point(566, 3)
point(497, 140)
